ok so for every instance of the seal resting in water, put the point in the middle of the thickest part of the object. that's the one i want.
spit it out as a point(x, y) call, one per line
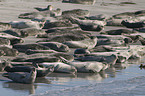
point(26, 78)
point(41, 71)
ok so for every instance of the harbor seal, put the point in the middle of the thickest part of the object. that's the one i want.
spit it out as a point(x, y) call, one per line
point(26, 78)
point(55, 46)
point(9, 51)
point(34, 46)
point(49, 7)
point(86, 43)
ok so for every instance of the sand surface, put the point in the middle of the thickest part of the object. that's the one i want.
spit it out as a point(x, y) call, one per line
point(65, 84)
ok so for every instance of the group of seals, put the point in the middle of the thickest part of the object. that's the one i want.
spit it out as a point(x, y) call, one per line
point(70, 29)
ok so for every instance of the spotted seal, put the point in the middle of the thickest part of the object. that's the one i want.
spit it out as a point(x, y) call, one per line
point(76, 12)
point(61, 67)
point(55, 46)
point(86, 43)
point(30, 51)
point(119, 32)
point(26, 24)
point(41, 71)
point(34, 46)
point(87, 67)
point(26, 78)
point(9, 51)
point(105, 59)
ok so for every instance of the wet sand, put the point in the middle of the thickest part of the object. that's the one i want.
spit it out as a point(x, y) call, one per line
point(58, 84)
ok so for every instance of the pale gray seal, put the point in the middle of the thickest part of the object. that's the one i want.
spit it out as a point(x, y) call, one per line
point(87, 67)
point(86, 43)
point(60, 67)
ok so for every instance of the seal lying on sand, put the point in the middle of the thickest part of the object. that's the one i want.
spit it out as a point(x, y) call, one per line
point(63, 23)
point(63, 37)
point(111, 60)
point(87, 67)
point(13, 39)
point(81, 52)
point(76, 12)
point(26, 24)
point(118, 32)
point(26, 78)
point(9, 51)
point(4, 41)
point(91, 27)
point(86, 43)
point(34, 46)
point(102, 48)
point(49, 7)
point(30, 51)
point(4, 26)
point(60, 67)
point(133, 25)
point(89, 2)
point(42, 57)
point(55, 46)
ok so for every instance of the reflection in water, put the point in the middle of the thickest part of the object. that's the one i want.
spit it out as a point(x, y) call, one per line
point(42, 80)
point(21, 87)
point(87, 76)
point(111, 71)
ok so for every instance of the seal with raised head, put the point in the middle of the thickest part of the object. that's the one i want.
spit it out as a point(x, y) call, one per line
point(26, 78)
point(49, 7)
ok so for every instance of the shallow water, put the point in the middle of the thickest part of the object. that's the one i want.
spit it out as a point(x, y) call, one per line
point(128, 81)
